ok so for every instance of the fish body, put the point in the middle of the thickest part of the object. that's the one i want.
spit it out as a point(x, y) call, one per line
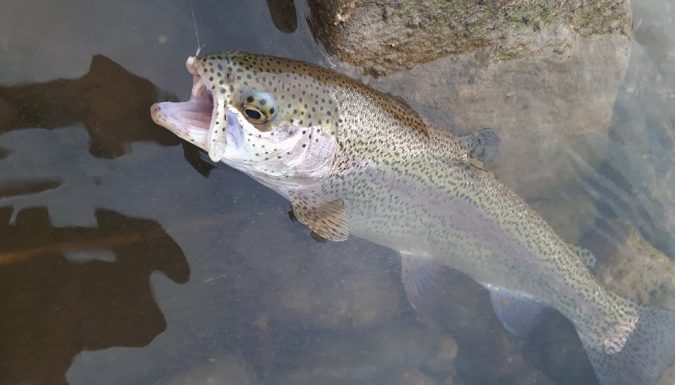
point(355, 162)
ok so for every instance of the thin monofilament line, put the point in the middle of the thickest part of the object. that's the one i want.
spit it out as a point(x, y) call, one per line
point(194, 24)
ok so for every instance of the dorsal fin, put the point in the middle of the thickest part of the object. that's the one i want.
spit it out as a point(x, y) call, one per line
point(483, 145)
point(407, 113)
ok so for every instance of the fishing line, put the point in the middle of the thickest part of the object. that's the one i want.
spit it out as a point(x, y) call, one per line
point(194, 24)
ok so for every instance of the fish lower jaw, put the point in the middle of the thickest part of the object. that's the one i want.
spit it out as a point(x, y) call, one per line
point(188, 120)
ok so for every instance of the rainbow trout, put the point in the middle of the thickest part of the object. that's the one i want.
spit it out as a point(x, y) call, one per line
point(355, 162)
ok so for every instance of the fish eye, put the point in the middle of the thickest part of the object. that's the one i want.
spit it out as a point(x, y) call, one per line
point(258, 107)
point(254, 115)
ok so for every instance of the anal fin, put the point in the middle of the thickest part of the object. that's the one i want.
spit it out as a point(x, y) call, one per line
point(423, 280)
point(519, 314)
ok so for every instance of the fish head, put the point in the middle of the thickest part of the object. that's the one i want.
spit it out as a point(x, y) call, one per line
point(273, 118)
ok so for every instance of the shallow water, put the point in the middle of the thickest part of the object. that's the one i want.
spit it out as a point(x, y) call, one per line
point(125, 258)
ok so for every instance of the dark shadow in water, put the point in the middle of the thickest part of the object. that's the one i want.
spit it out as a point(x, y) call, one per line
point(15, 187)
point(460, 305)
point(283, 15)
point(52, 307)
point(110, 102)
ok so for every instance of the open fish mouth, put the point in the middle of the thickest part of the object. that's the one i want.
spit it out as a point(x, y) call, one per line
point(194, 119)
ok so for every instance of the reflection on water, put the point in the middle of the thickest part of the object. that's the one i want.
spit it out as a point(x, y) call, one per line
point(54, 307)
point(264, 303)
point(23, 187)
point(108, 101)
point(283, 15)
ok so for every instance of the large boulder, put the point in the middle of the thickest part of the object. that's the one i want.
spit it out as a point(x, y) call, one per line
point(383, 36)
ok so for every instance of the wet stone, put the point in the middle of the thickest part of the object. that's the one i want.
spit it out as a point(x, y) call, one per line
point(385, 36)
point(396, 354)
point(413, 377)
point(540, 113)
point(639, 271)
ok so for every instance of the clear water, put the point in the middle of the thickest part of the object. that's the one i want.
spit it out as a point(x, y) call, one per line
point(126, 259)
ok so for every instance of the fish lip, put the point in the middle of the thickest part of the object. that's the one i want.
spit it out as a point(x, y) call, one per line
point(190, 120)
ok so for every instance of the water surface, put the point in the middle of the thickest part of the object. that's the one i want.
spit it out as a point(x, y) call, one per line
point(126, 258)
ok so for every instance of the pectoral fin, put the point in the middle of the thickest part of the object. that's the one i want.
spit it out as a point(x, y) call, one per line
point(327, 220)
point(519, 314)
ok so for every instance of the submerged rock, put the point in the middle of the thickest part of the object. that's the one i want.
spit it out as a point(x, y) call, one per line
point(542, 109)
point(640, 272)
point(642, 153)
point(395, 354)
point(413, 377)
point(225, 370)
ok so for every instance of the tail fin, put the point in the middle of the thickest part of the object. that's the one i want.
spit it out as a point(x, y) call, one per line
point(648, 353)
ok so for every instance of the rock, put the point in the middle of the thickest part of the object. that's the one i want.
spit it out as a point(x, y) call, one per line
point(390, 354)
point(640, 272)
point(413, 377)
point(226, 370)
point(382, 37)
point(641, 157)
